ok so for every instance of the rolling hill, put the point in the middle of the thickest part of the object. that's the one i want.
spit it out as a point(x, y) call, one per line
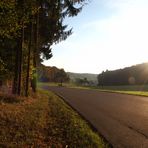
point(90, 77)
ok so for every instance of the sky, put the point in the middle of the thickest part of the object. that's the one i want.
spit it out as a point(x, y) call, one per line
point(107, 35)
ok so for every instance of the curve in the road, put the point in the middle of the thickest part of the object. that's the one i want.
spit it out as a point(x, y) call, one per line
point(121, 119)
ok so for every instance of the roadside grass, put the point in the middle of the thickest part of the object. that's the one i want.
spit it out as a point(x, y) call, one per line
point(137, 93)
point(129, 92)
point(43, 120)
point(139, 90)
point(73, 129)
point(126, 87)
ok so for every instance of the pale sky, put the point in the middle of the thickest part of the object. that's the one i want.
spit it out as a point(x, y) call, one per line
point(107, 34)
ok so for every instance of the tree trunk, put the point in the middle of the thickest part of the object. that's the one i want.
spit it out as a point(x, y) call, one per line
point(19, 69)
point(35, 55)
point(15, 81)
point(18, 60)
point(28, 61)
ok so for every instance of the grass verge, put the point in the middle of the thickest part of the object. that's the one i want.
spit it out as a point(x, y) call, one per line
point(43, 121)
point(137, 93)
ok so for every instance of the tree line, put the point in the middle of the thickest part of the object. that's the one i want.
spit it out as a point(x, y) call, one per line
point(137, 74)
point(28, 29)
point(52, 74)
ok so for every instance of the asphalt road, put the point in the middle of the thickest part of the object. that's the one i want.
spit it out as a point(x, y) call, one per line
point(121, 119)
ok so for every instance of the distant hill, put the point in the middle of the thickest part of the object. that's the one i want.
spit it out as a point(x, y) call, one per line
point(90, 77)
point(137, 74)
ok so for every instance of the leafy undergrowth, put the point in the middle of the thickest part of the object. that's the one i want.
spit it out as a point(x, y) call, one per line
point(43, 121)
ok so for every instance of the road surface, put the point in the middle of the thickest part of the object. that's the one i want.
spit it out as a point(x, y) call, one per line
point(121, 119)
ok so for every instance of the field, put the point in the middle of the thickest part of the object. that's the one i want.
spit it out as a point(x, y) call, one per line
point(43, 120)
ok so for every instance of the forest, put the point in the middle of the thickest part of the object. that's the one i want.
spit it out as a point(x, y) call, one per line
point(134, 75)
point(52, 74)
point(28, 29)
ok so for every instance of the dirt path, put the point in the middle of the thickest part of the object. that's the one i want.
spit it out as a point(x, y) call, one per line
point(121, 119)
